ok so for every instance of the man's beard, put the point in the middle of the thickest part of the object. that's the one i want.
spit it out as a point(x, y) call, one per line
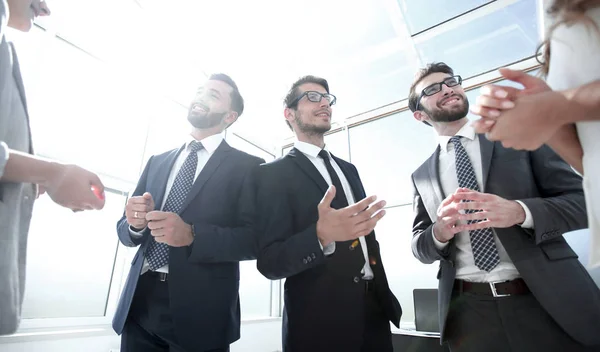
point(449, 116)
point(308, 129)
point(206, 120)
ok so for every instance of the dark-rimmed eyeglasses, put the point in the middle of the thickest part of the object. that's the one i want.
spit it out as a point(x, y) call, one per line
point(437, 87)
point(315, 97)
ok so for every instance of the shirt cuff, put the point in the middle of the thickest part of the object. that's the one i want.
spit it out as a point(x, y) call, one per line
point(528, 223)
point(439, 245)
point(136, 234)
point(328, 249)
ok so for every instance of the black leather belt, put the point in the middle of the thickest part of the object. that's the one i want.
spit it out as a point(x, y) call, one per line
point(495, 289)
point(160, 276)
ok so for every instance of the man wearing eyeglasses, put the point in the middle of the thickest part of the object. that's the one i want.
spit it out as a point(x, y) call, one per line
point(316, 230)
point(494, 218)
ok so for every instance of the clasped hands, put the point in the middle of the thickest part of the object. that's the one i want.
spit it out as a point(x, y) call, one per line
point(165, 227)
point(468, 210)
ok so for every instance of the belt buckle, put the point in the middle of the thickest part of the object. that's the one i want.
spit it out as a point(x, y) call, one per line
point(162, 276)
point(494, 291)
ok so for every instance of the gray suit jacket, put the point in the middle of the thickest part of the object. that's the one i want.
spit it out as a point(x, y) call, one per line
point(16, 199)
point(553, 193)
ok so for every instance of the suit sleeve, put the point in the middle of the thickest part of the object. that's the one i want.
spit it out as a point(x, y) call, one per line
point(214, 244)
point(123, 228)
point(282, 251)
point(561, 205)
point(423, 245)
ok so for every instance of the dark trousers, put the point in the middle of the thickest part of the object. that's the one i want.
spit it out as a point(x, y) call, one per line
point(149, 327)
point(516, 323)
point(377, 336)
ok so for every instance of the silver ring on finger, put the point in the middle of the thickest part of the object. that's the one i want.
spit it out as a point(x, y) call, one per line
point(135, 214)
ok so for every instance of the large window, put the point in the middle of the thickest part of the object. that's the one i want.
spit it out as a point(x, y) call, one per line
point(70, 259)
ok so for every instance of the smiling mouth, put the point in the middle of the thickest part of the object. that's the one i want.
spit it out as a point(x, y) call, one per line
point(451, 100)
point(199, 108)
point(323, 114)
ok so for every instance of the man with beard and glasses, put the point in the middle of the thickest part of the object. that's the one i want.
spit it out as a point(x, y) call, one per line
point(494, 218)
point(191, 215)
point(315, 229)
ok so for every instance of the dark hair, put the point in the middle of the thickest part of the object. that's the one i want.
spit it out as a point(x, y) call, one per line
point(293, 93)
point(434, 67)
point(565, 12)
point(237, 102)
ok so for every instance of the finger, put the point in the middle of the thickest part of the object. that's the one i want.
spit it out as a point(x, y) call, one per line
point(494, 103)
point(472, 206)
point(476, 225)
point(470, 195)
point(485, 112)
point(528, 81)
point(480, 215)
point(147, 196)
point(483, 125)
point(136, 200)
point(368, 213)
point(327, 198)
point(140, 208)
point(366, 227)
point(359, 207)
point(501, 92)
point(157, 215)
point(154, 225)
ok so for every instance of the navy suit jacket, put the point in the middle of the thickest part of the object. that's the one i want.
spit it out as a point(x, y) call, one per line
point(203, 277)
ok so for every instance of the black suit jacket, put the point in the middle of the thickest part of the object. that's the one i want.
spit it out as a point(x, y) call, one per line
point(203, 277)
point(324, 311)
point(553, 194)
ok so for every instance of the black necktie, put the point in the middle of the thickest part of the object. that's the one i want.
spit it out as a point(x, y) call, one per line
point(340, 200)
point(348, 258)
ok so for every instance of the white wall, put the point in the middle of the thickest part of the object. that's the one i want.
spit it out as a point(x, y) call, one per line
point(257, 336)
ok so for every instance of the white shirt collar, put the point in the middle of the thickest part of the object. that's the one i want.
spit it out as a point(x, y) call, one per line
point(466, 131)
point(308, 149)
point(210, 143)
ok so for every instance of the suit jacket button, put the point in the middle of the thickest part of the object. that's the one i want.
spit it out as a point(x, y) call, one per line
point(351, 247)
point(314, 256)
point(309, 259)
point(304, 261)
point(356, 279)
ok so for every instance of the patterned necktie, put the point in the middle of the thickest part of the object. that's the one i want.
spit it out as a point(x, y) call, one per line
point(158, 253)
point(482, 240)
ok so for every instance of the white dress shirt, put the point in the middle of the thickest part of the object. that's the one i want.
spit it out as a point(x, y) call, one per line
point(312, 153)
point(210, 144)
point(575, 52)
point(465, 263)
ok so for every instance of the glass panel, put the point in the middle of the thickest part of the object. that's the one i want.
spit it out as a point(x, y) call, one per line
point(78, 102)
point(70, 259)
point(169, 128)
point(403, 270)
point(287, 150)
point(421, 15)
point(337, 144)
point(239, 143)
point(387, 151)
point(485, 43)
point(255, 292)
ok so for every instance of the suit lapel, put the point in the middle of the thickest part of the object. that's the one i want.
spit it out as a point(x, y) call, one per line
point(162, 176)
point(357, 189)
point(434, 176)
point(308, 168)
point(487, 149)
point(21, 89)
point(208, 170)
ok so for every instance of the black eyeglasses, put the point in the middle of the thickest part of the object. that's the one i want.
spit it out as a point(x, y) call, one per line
point(315, 97)
point(437, 87)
